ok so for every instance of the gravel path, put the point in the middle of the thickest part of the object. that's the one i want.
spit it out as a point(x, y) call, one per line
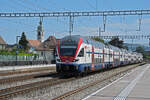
point(54, 91)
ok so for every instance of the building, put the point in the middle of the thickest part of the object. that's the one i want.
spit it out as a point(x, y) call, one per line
point(46, 50)
point(3, 44)
point(33, 44)
point(40, 32)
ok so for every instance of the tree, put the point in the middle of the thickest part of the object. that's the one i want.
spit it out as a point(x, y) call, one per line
point(23, 41)
point(98, 39)
point(125, 47)
point(140, 49)
point(116, 42)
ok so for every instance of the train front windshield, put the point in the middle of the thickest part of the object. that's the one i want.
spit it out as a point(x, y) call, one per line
point(68, 50)
point(68, 46)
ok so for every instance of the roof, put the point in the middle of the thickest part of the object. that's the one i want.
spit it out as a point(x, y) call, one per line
point(49, 43)
point(87, 40)
point(34, 43)
point(2, 41)
point(76, 38)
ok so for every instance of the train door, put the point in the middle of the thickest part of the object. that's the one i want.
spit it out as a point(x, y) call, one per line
point(93, 59)
point(81, 55)
point(103, 58)
point(113, 59)
point(85, 49)
point(109, 55)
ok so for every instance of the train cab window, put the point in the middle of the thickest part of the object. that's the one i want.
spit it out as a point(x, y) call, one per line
point(81, 53)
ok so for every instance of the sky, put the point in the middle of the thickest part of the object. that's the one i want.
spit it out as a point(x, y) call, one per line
point(59, 27)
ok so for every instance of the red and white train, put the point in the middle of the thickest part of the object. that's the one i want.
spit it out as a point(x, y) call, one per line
point(77, 54)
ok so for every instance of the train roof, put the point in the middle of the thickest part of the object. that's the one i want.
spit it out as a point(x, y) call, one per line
point(87, 40)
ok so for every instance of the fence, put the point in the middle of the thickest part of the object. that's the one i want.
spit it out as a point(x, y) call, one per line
point(12, 60)
point(18, 58)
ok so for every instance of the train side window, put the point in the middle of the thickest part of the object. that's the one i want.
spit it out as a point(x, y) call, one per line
point(110, 55)
point(81, 53)
point(87, 41)
point(89, 54)
point(98, 55)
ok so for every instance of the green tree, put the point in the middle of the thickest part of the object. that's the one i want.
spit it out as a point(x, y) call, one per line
point(125, 47)
point(23, 41)
point(98, 39)
point(140, 49)
point(116, 42)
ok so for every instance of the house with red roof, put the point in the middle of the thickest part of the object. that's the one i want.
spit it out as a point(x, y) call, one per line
point(45, 50)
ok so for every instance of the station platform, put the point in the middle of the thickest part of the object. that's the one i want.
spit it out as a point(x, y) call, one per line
point(10, 68)
point(133, 86)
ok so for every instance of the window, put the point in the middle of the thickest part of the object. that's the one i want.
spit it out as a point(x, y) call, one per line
point(42, 53)
point(99, 55)
point(87, 41)
point(81, 53)
point(67, 50)
point(110, 55)
point(89, 54)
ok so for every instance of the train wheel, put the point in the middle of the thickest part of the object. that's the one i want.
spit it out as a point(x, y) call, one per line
point(82, 74)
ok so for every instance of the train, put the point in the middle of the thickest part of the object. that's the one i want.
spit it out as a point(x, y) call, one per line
point(79, 54)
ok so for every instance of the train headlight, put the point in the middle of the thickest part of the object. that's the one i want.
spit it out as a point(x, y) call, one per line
point(75, 60)
point(58, 60)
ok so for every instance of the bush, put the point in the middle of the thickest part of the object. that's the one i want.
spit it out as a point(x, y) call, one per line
point(21, 53)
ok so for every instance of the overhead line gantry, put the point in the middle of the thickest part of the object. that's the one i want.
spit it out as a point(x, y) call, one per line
point(123, 37)
point(71, 15)
point(77, 14)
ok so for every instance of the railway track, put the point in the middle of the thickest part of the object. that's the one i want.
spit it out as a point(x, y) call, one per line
point(26, 88)
point(70, 93)
point(13, 91)
point(24, 77)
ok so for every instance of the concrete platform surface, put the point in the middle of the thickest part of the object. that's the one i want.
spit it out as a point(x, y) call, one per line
point(133, 86)
point(9, 68)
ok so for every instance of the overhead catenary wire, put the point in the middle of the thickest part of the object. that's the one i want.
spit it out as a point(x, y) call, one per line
point(35, 5)
point(96, 1)
point(18, 2)
point(52, 3)
point(90, 4)
point(10, 7)
point(20, 24)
